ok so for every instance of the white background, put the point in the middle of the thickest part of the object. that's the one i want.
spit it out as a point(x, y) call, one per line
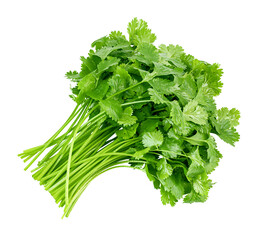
point(42, 40)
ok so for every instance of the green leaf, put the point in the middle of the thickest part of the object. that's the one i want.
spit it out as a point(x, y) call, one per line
point(227, 133)
point(127, 132)
point(99, 43)
point(232, 115)
point(139, 32)
point(164, 169)
point(87, 83)
point(149, 51)
point(197, 165)
point(74, 76)
point(112, 108)
point(140, 154)
point(148, 125)
point(163, 86)
point(156, 97)
point(89, 65)
point(150, 172)
point(177, 114)
point(117, 35)
point(194, 197)
point(187, 89)
point(195, 157)
point(172, 147)
point(205, 98)
point(175, 184)
point(213, 155)
point(119, 81)
point(106, 64)
point(167, 123)
point(170, 51)
point(167, 197)
point(194, 113)
point(127, 119)
point(198, 139)
point(162, 70)
point(99, 92)
point(202, 184)
point(213, 75)
point(151, 139)
point(104, 52)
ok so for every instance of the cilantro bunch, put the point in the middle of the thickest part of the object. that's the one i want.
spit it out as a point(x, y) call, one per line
point(141, 107)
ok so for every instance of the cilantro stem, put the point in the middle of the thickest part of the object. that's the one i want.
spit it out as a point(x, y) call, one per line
point(136, 102)
point(74, 113)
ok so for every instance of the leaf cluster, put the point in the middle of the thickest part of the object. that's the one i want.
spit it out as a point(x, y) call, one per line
point(165, 98)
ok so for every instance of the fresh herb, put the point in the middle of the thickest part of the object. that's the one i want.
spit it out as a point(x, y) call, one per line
point(142, 107)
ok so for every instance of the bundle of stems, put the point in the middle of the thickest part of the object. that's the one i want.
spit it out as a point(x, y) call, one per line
point(82, 149)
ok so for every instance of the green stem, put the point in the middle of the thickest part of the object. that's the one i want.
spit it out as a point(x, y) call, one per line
point(74, 113)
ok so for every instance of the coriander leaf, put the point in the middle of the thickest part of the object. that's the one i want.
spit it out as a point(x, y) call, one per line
point(162, 70)
point(163, 86)
point(194, 197)
point(100, 91)
point(232, 115)
point(194, 113)
point(164, 169)
point(127, 132)
point(172, 147)
point(99, 43)
point(106, 64)
point(148, 125)
point(151, 139)
point(177, 114)
point(167, 197)
point(205, 99)
point(197, 165)
point(74, 76)
point(227, 133)
point(213, 75)
point(87, 83)
point(140, 154)
point(187, 90)
point(198, 139)
point(139, 32)
point(195, 157)
point(112, 108)
point(201, 184)
point(167, 123)
point(89, 65)
point(170, 51)
point(112, 45)
point(104, 52)
point(127, 119)
point(150, 172)
point(116, 84)
point(175, 184)
point(156, 97)
point(213, 155)
point(117, 35)
point(140, 59)
point(149, 51)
